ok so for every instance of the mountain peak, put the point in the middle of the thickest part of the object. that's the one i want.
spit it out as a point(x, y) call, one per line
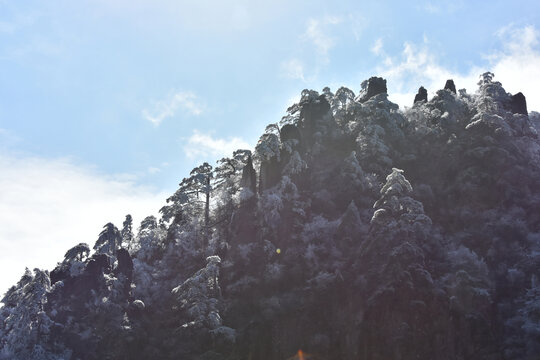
point(407, 227)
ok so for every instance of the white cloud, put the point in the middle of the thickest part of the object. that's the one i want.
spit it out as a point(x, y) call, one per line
point(49, 205)
point(418, 66)
point(517, 66)
point(317, 33)
point(292, 69)
point(201, 145)
point(377, 47)
point(167, 108)
point(357, 24)
point(514, 66)
point(321, 34)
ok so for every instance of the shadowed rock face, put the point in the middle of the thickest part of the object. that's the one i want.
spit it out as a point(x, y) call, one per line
point(289, 132)
point(374, 86)
point(98, 263)
point(421, 96)
point(269, 174)
point(518, 104)
point(249, 176)
point(125, 264)
point(450, 86)
point(310, 113)
point(59, 274)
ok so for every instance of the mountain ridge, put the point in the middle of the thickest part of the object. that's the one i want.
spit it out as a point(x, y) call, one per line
point(354, 230)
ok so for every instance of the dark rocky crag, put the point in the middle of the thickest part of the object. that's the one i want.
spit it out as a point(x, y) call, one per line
point(353, 231)
point(519, 104)
point(421, 95)
point(373, 86)
point(450, 86)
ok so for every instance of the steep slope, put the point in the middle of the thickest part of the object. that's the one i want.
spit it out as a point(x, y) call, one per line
point(354, 230)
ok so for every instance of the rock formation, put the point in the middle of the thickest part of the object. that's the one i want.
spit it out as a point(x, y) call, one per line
point(421, 96)
point(415, 230)
point(289, 132)
point(373, 86)
point(249, 176)
point(518, 104)
point(450, 86)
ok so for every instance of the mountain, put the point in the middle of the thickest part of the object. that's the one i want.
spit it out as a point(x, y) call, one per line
point(354, 230)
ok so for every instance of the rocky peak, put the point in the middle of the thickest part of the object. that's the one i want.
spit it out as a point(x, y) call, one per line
point(518, 104)
point(450, 86)
point(371, 87)
point(421, 96)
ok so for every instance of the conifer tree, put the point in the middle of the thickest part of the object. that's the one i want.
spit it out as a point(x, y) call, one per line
point(127, 232)
point(109, 240)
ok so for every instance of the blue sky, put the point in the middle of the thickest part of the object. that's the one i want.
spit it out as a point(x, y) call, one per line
point(106, 104)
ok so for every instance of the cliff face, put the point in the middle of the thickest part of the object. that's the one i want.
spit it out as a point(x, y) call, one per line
point(354, 230)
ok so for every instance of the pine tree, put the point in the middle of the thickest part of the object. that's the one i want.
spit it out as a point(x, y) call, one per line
point(187, 200)
point(78, 252)
point(127, 233)
point(109, 240)
point(27, 327)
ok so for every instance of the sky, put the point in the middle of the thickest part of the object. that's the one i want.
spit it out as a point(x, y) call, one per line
point(105, 105)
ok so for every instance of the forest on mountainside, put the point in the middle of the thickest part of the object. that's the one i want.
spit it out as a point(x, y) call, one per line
point(354, 230)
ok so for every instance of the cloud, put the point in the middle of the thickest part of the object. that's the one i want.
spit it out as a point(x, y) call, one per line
point(317, 33)
point(514, 65)
point(49, 205)
point(377, 47)
point(292, 69)
point(357, 25)
point(201, 145)
point(517, 65)
point(418, 66)
point(321, 35)
point(186, 101)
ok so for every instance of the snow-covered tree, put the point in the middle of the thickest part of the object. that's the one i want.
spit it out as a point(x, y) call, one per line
point(127, 232)
point(198, 301)
point(269, 144)
point(332, 227)
point(79, 252)
point(26, 327)
point(187, 199)
point(149, 239)
point(228, 168)
point(109, 240)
